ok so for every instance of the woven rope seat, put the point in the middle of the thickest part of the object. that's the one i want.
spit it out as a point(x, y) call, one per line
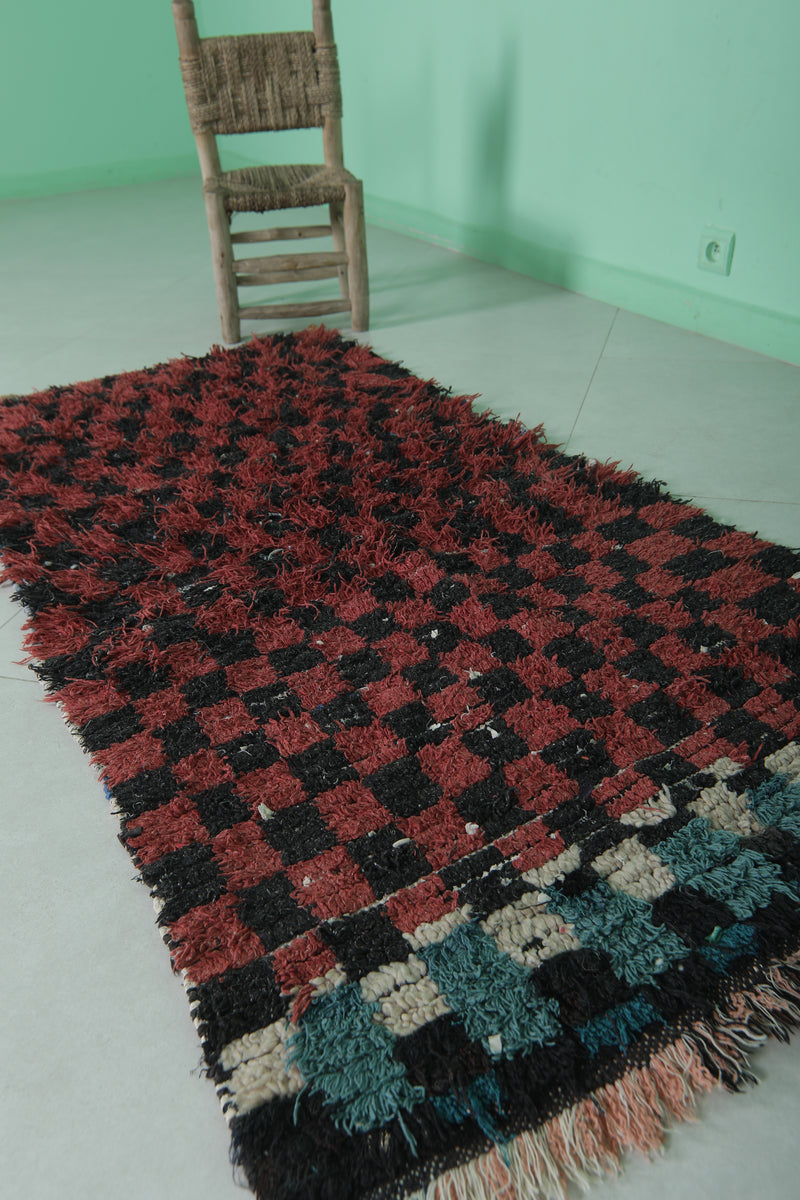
point(265, 189)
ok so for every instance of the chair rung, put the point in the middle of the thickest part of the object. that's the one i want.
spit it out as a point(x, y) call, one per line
point(314, 308)
point(286, 276)
point(282, 233)
point(289, 262)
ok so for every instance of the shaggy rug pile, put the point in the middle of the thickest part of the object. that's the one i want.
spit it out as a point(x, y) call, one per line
point(463, 773)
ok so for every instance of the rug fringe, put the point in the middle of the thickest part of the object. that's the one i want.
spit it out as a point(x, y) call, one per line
point(592, 1138)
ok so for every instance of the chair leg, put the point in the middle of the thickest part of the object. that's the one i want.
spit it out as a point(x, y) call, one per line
point(356, 240)
point(337, 229)
point(219, 230)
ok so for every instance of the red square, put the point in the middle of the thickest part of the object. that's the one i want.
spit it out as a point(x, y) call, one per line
point(540, 722)
point(621, 690)
point(440, 831)
point(340, 640)
point(469, 657)
point(142, 752)
point(304, 959)
point(86, 698)
point(401, 650)
point(211, 939)
point(636, 792)
point(537, 671)
point(317, 685)
point(249, 674)
point(474, 619)
point(453, 766)
point(385, 695)
point(225, 721)
point(293, 734)
point(425, 902)
point(531, 845)
point(274, 786)
point(351, 810)
point(159, 708)
point(202, 770)
point(186, 660)
point(279, 634)
point(540, 786)
point(460, 704)
point(330, 884)
point(369, 747)
point(166, 828)
point(626, 742)
point(245, 858)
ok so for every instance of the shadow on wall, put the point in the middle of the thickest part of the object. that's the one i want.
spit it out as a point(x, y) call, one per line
point(492, 222)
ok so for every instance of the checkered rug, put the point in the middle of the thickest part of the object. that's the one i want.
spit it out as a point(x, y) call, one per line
point(463, 773)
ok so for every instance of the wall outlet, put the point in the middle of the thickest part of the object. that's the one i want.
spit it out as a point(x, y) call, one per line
point(716, 250)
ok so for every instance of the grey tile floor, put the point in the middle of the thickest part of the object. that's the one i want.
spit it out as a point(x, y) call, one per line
point(103, 1096)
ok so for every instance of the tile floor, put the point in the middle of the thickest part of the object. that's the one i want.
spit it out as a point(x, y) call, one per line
point(103, 1094)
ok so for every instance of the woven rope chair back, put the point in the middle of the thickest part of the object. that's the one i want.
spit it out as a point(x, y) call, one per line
point(262, 81)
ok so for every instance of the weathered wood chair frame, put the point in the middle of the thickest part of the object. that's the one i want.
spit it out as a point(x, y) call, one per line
point(259, 82)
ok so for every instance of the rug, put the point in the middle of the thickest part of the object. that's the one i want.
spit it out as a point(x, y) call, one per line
point(463, 773)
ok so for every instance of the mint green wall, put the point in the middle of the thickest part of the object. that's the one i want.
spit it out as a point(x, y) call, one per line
point(90, 95)
point(586, 143)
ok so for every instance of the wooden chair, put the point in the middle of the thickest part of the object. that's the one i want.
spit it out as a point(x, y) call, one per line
point(266, 82)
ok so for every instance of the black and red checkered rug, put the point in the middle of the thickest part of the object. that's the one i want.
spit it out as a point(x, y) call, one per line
point(464, 774)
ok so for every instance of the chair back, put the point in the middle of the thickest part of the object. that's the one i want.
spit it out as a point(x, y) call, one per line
point(261, 81)
point(258, 82)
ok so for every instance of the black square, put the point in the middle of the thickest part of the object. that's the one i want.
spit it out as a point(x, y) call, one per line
point(101, 732)
point(320, 767)
point(502, 689)
point(298, 833)
point(492, 804)
point(492, 891)
point(374, 625)
point(629, 592)
point(440, 637)
point(219, 808)
point(666, 719)
point(641, 664)
point(295, 658)
point(270, 910)
point(570, 586)
point(271, 702)
point(640, 631)
point(184, 879)
point(564, 977)
point(206, 690)
point(363, 667)
point(145, 791)
point(232, 647)
point(502, 604)
point(508, 645)
point(241, 1001)
point(568, 555)
point(582, 704)
point(575, 654)
point(626, 529)
point(390, 587)
point(698, 563)
point(141, 679)
point(580, 755)
point(389, 860)
point(447, 593)
point(414, 723)
point(249, 752)
point(365, 941)
point(403, 788)
point(738, 726)
point(429, 677)
point(345, 711)
point(495, 742)
point(181, 738)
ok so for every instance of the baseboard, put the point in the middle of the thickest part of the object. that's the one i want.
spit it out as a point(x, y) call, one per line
point(99, 175)
point(763, 330)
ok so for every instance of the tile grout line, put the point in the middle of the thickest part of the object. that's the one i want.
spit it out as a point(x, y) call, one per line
point(591, 381)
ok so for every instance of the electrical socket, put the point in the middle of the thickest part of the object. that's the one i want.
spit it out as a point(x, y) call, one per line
point(716, 250)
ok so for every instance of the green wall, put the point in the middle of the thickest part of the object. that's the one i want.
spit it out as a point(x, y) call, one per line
point(584, 143)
